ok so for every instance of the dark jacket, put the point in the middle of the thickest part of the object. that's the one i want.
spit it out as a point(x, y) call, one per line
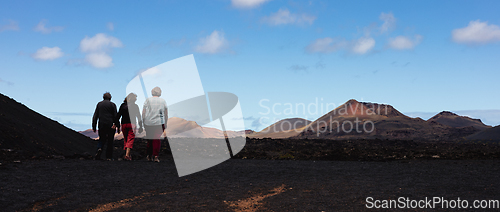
point(105, 112)
point(129, 113)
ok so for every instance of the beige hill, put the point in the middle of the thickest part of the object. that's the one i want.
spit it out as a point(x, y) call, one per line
point(282, 129)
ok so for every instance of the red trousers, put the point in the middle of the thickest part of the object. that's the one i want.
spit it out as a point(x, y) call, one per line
point(154, 133)
point(128, 135)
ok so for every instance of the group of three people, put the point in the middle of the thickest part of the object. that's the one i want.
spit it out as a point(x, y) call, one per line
point(154, 117)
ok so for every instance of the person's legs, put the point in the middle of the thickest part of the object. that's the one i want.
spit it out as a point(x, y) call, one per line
point(149, 146)
point(109, 147)
point(125, 135)
point(156, 142)
point(128, 138)
point(100, 143)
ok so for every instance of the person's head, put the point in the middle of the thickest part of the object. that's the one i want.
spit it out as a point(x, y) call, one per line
point(131, 97)
point(156, 91)
point(106, 96)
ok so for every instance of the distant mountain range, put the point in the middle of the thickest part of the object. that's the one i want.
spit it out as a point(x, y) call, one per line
point(351, 120)
point(178, 127)
point(365, 120)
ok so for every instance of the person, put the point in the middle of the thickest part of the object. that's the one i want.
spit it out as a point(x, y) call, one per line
point(154, 115)
point(129, 112)
point(105, 113)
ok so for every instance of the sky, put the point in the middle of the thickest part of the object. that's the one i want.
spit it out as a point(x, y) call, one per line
point(422, 57)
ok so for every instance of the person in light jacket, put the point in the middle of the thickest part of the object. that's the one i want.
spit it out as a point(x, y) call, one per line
point(154, 116)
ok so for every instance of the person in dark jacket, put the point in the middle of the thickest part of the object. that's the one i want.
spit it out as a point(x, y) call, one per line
point(105, 112)
point(129, 112)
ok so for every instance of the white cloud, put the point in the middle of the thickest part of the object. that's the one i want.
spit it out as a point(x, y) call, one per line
point(477, 32)
point(326, 45)
point(363, 45)
point(100, 42)
point(40, 27)
point(10, 26)
point(111, 26)
point(247, 4)
point(97, 49)
point(46, 53)
point(99, 60)
point(283, 16)
point(389, 22)
point(403, 42)
point(212, 44)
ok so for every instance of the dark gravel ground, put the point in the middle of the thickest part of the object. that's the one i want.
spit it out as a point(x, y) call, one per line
point(267, 175)
point(83, 185)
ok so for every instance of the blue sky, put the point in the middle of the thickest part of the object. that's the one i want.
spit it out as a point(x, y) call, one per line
point(423, 57)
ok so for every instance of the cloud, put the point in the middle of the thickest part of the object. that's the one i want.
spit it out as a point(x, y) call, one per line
point(212, 44)
point(403, 42)
point(47, 53)
point(283, 16)
point(247, 4)
point(6, 82)
point(40, 27)
point(10, 26)
point(100, 42)
point(326, 45)
point(477, 32)
point(298, 68)
point(97, 49)
point(110, 26)
point(256, 124)
point(320, 65)
point(99, 60)
point(363, 45)
point(389, 22)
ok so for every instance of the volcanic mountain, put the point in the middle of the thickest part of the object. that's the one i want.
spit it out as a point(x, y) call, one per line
point(26, 131)
point(364, 120)
point(282, 129)
point(454, 120)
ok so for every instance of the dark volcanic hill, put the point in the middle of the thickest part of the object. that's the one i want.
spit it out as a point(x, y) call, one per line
point(490, 134)
point(454, 120)
point(364, 120)
point(29, 133)
point(282, 129)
